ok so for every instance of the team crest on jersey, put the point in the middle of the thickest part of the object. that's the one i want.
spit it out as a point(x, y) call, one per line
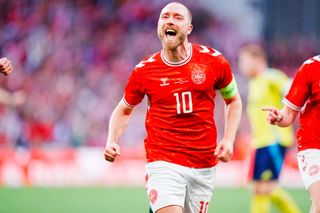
point(314, 169)
point(153, 195)
point(198, 76)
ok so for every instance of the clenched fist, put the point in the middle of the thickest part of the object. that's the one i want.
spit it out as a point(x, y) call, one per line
point(5, 66)
point(111, 151)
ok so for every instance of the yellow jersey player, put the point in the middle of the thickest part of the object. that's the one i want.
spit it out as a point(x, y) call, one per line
point(266, 87)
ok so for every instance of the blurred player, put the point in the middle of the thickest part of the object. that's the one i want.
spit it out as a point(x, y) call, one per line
point(304, 97)
point(180, 82)
point(5, 66)
point(266, 85)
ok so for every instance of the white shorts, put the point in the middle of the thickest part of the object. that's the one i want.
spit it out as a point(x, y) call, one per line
point(309, 166)
point(171, 184)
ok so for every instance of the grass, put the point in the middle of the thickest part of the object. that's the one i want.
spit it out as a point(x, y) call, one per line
point(116, 200)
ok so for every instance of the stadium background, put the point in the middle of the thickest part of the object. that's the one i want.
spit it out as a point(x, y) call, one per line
point(72, 59)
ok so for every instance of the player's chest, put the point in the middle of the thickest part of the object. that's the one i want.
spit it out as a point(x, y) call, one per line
point(259, 91)
point(193, 77)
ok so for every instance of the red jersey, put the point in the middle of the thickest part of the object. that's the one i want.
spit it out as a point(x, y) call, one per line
point(180, 119)
point(304, 95)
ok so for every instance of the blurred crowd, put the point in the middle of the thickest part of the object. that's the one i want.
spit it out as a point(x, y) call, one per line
point(72, 59)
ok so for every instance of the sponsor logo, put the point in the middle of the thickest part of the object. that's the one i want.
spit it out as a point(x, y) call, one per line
point(314, 169)
point(180, 81)
point(198, 76)
point(164, 82)
point(153, 195)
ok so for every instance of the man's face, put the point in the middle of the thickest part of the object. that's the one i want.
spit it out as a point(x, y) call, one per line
point(174, 25)
point(248, 64)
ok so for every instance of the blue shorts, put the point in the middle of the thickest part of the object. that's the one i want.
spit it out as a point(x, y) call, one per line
point(268, 162)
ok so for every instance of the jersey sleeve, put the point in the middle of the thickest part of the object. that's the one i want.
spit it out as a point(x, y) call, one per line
point(300, 88)
point(226, 84)
point(134, 91)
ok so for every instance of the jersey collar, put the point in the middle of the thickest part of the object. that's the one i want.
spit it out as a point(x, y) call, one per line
point(179, 63)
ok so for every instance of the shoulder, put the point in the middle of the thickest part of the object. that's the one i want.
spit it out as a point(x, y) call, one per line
point(148, 61)
point(309, 69)
point(311, 63)
point(209, 53)
point(275, 74)
point(139, 71)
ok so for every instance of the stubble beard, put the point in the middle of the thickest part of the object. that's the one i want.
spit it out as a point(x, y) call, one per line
point(172, 44)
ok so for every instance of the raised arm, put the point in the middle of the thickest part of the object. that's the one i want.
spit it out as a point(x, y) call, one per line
point(224, 150)
point(118, 123)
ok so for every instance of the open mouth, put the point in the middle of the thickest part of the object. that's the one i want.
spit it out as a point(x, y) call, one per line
point(170, 33)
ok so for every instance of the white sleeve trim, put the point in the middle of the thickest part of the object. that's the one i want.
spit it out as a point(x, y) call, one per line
point(127, 104)
point(291, 105)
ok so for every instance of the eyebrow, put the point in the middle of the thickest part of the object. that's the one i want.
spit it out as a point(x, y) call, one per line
point(174, 14)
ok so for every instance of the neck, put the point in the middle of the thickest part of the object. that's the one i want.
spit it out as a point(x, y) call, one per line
point(178, 54)
point(259, 71)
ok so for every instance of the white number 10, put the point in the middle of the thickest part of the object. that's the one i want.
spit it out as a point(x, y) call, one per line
point(186, 100)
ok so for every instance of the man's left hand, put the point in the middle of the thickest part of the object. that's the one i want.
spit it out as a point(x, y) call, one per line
point(224, 150)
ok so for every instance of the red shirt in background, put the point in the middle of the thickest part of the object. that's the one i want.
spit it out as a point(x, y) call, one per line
point(304, 95)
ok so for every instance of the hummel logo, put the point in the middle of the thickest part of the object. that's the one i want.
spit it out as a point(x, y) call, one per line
point(164, 82)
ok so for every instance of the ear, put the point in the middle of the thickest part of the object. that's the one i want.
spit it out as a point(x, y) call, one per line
point(190, 27)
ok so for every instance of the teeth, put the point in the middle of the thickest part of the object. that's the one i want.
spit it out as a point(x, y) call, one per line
point(171, 31)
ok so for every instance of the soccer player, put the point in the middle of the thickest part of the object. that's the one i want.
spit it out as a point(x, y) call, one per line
point(180, 82)
point(304, 97)
point(5, 66)
point(266, 85)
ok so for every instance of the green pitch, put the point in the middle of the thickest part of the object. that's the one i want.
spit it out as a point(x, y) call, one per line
point(115, 200)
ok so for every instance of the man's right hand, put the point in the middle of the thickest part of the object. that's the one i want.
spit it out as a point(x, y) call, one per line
point(5, 66)
point(111, 151)
point(274, 115)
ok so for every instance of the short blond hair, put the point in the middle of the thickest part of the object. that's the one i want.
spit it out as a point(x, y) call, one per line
point(189, 12)
point(254, 50)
